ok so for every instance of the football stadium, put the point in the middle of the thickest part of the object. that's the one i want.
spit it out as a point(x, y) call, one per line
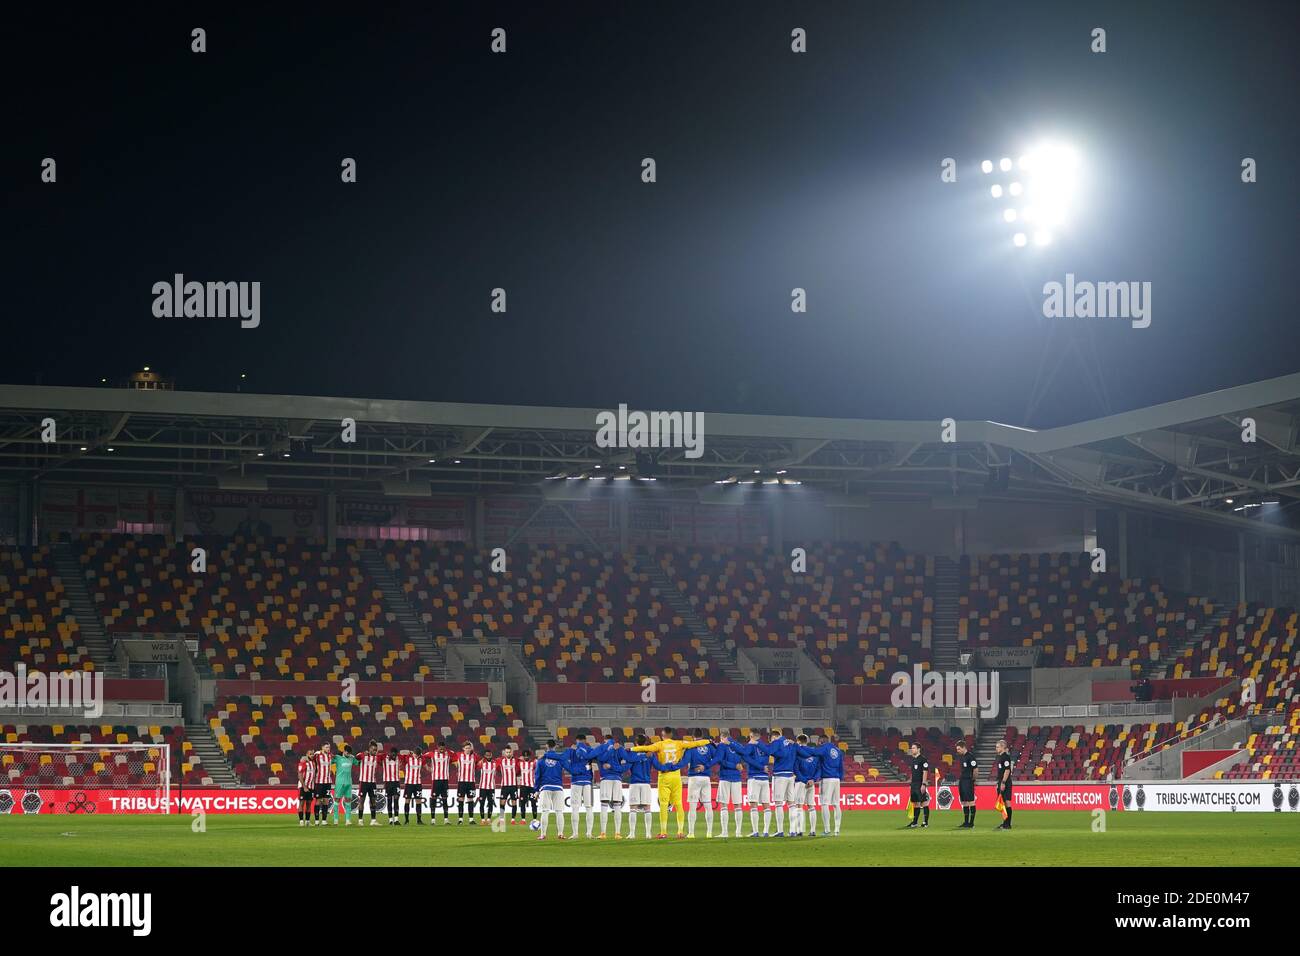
point(774, 436)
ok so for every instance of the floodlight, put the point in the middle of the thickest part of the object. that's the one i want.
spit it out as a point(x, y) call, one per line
point(996, 191)
point(1042, 237)
point(1019, 239)
point(1004, 163)
point(987, 166)
point(1015, 189)
point(1009, 215)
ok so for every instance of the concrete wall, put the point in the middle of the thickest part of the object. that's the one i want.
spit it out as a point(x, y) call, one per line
point(1070, 685)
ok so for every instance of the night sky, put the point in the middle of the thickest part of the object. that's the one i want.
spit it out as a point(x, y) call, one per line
point(775, 170)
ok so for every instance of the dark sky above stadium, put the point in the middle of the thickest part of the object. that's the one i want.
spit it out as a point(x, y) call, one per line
point(775, 170)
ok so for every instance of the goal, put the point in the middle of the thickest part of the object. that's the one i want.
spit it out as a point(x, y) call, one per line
point(85, 778)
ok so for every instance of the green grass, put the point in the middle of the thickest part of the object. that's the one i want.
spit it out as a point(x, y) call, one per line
point(870, 838)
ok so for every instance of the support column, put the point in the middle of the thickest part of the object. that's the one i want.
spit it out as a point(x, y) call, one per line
point(1089, 529)
point(1123, 543)
point(331, 520)
point(1241, 567)
point(178, 515)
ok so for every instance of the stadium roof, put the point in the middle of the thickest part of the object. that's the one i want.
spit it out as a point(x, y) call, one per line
point(1185, 456)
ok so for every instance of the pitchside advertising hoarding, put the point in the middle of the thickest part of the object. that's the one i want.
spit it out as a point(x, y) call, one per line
point(1279, 797)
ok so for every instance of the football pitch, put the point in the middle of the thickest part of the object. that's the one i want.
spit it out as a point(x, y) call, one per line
point(1041, 838)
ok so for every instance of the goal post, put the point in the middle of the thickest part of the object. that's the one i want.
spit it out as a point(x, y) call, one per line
point(85, 778)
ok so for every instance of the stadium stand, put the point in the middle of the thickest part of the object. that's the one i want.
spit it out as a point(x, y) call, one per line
point(1075, 618)
point(280, 609)
point(36, 627)
point(574, 614)
point(262, 736)
point(859, 613)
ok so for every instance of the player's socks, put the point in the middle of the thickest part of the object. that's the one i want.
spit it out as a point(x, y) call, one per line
point(926, 814)
point(631, 825)
point(726, 821)
point(753, 821)
point(1008, 818)
point(690, 823)
point(767, 821)
point(839, 815)
point(916, 816)
point(647, 824)
point(708, 823)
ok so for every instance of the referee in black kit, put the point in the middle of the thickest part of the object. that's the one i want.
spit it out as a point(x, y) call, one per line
point(966, 785)
point(1004, 763)
point(920, 793)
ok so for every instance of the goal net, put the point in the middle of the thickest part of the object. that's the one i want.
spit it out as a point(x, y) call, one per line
point(85, 778)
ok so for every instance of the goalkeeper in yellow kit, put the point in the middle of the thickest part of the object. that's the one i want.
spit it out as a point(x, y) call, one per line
point(670, 751)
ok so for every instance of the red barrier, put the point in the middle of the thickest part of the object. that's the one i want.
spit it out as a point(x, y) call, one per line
point(863, 695)
point(325, 688)
point(120, 688)
point(1194, 760)
point(722, 695)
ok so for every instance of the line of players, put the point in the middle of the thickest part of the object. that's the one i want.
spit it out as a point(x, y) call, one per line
point(779, 773)
point(325, 789)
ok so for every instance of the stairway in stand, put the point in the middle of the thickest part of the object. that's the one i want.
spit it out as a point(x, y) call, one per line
point(722, 657)
point(212, 761)
point(1217, 622)
point(860, 751)
point(83, 609)
point(947, 583)
point(397, 602)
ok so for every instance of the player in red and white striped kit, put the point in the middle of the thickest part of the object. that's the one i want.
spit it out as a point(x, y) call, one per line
point(508, 771)
point(306, 787)
point(466, 764)
point(412, 791)
point(439, 759)
point(487, 785)
point(392, 773)
point(368, 777)
point(324, 783)
point(527, 784)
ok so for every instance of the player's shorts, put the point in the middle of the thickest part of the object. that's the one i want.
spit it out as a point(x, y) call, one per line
point(552, 801)
point(729, 792)
point(670, 791)
point(306, 793)
point(322, 791)
point(582, 796)
point(527, 795)
point(781, 787)
point(412, 790)
point(698, 791)
point(759, 792)
point(465, 789)
point(342, 791)
point(638, 794)
point(611, 793)
point(509, 793)
point(368, 788)
point(966, 791)
point(440, 788)
point(799, 793)
point(830, 792)
point(392, 787)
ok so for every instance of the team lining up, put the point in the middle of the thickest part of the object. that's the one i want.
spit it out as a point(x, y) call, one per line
point(779, 772)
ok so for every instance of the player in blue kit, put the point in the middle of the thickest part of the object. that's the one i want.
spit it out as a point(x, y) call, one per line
point(831, 760)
